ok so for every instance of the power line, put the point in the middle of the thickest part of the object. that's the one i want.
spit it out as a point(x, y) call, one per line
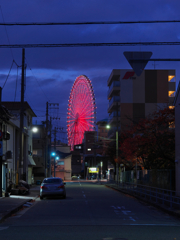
point(8, 74)
point(6, 32)
point(54, 45)
point(8, 37)
point(85, 23)
point(37, 80)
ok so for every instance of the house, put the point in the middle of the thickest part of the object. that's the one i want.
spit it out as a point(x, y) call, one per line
point(15, 168)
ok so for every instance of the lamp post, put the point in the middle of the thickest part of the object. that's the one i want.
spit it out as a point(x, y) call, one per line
point(55, 158)
point(54, 154)
point(117, 172)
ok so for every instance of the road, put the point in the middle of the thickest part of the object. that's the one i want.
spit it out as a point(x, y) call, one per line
point(91, 212)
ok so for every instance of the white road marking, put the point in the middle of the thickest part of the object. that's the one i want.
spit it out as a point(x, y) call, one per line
point(84, 195)
point(126, 212)
point(132, 219)
point(113, 207)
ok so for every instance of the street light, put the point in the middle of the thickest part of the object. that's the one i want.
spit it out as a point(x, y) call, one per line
point(117, 172)
point(35, 129)
point(55, 158)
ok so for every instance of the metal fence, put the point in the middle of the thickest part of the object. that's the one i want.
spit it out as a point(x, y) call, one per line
point(164, 179)
point(158, 195)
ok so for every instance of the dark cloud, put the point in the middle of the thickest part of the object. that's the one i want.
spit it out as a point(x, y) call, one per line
point(52, 71)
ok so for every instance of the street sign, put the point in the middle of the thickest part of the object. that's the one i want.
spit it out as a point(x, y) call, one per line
point(1, 134)
point(1, 148)
point(138, 60)
point(93, 170)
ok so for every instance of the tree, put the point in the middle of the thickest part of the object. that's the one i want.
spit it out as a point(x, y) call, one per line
point(151, 142)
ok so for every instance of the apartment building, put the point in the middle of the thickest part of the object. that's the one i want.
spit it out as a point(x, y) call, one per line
point(132, 98)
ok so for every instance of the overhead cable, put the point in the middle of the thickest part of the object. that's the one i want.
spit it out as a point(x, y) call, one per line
point(8, 74)
point(85, 23)
point(54, 45)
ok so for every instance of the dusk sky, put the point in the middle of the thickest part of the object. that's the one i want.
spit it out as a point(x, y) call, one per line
point(51, 72)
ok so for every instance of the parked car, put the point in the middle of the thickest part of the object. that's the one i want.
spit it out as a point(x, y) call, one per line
point(75, 177)
point(52, 186)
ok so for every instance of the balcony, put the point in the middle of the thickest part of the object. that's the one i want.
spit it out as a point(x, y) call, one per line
point(115, 76)
point(114, 103)
point(171, 100)
point(114, 89)
point(113, 118)
point(172, 86)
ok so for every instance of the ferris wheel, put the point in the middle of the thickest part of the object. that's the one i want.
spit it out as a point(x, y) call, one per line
point(81, 110)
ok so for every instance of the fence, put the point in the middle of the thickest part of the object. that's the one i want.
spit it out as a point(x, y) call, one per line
point(157, 195)
point(164, 179)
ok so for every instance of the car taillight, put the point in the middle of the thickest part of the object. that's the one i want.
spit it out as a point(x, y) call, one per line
point(43, 187)
point(62, 186)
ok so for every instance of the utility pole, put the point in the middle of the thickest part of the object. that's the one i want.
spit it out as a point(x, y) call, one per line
point(48, 128)
point(54, 150)
point(22, 160)
point(46, 140)
point(50, 148)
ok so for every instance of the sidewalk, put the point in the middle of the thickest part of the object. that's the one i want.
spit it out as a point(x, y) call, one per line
point(171, 211)
point(12, 204)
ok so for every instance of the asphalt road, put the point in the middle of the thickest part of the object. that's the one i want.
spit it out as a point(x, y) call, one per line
point(90, 212)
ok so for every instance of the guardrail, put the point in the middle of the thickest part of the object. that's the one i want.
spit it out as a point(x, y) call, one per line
point(157, 195)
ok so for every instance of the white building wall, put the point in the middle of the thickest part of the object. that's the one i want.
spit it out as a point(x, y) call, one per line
point(67, 167)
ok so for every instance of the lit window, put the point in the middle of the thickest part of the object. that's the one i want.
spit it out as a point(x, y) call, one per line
point(170, 77)
point(34, 152)
point(171, 125)
point(171, 93)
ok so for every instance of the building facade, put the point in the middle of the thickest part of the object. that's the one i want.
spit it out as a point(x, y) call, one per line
point(14, 169)
point(132, 98)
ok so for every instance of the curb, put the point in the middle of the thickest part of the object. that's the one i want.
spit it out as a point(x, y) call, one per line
point(175, 213)
point(12, 211)
point(15, 209)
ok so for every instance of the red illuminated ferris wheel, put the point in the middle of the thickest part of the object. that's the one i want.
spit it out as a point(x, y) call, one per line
point(81, 110)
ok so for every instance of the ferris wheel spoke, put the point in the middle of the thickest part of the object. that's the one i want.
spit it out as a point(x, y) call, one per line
point(81, 110)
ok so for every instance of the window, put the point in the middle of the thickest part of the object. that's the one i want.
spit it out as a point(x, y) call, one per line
point(34, 152)
point(55, 180)
point(170, 78)
point(171, 93)
point(60, 163)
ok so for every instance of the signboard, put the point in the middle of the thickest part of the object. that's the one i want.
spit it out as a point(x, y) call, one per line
point(138, 60)
point(93, 170)
point(1, 148)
